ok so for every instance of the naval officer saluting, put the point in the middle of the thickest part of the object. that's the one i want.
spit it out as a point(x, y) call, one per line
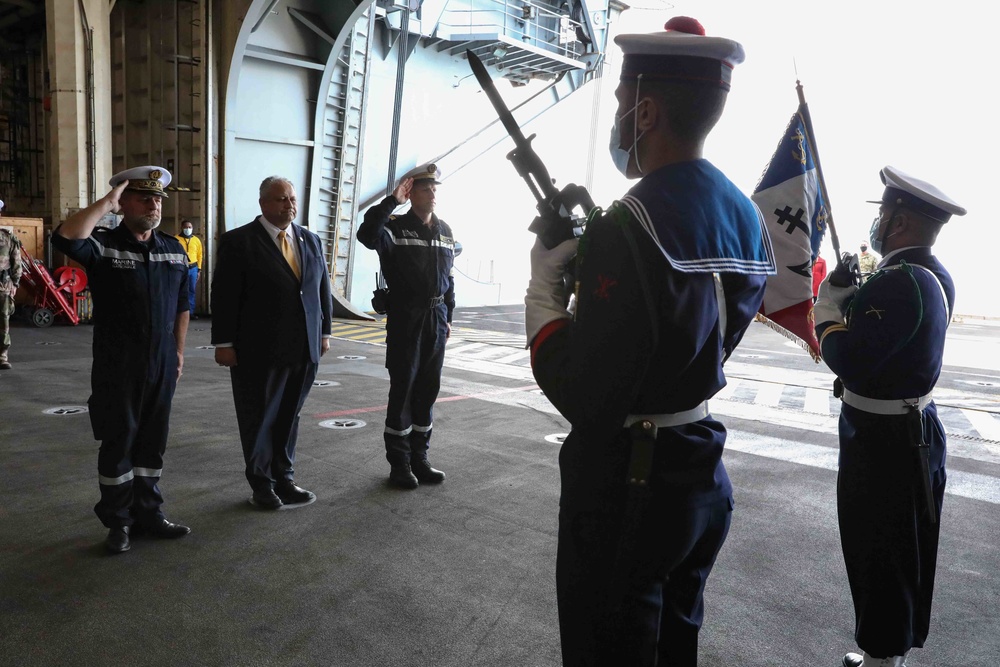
point(136, 275)
point(416, 252)
point(885, 342)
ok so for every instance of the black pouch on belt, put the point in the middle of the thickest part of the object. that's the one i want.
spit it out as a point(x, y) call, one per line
point(642, 435)
point(380, 301)
point(380, 296)
point(915, 426)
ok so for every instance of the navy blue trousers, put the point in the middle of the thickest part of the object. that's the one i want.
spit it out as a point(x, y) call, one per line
point(890, 544)
point(268, 401)
point(130, 415)
point(647, 608)
point(415, 341)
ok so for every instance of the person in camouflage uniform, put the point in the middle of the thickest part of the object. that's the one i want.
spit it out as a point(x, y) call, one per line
point(867, 262)
point(10, 276)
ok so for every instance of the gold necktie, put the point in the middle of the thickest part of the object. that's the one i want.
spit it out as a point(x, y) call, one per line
point(286, 250)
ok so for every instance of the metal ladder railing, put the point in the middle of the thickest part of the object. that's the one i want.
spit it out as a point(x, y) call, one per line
point(340, 167)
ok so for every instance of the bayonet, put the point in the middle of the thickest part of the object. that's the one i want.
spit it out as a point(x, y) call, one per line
point(556, 221)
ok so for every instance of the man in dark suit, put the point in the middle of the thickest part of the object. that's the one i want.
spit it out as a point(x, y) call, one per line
point(272, 305)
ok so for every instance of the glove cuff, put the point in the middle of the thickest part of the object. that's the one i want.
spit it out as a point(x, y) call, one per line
point(825, 310)
point(540, 308)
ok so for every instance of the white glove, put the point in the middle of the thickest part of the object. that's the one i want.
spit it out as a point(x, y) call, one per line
point(831, 302)
point(544, 301)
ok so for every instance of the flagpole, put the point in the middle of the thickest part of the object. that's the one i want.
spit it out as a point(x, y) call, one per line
point(807, 122)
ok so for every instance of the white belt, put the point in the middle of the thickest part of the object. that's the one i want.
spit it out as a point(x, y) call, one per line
point(881, 406)
point(695, 414)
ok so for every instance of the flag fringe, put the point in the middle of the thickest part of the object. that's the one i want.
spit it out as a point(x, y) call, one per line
point(774, 326)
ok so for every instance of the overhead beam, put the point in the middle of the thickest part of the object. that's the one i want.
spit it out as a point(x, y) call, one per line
point(284, 58)
point(313, 22)
point(264, 14)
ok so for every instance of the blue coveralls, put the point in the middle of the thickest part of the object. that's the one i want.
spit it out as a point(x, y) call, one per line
point(417, 264)
point(891, 347)
point(630, 574)
point(138, 290)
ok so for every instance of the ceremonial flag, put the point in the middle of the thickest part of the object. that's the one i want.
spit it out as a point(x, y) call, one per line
point(790, 197)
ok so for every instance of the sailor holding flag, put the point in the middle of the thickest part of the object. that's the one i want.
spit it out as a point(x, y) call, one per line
point(885, 341)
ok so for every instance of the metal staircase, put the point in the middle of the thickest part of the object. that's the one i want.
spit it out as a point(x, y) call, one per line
point(340, 164)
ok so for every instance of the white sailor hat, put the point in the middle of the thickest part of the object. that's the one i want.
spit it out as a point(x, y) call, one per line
point(904, 190)
point(681, 52)
point(424, 172)
point(144, 179)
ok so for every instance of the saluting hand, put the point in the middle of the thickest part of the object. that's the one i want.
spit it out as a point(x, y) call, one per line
point(115, 194)
point(402, 191)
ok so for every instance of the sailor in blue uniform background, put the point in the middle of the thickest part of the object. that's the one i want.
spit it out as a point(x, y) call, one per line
point(416, 252)
point(137, 277)
point(885, 342)
point(669, 279)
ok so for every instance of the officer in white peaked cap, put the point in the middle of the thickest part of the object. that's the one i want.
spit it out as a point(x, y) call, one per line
point(416, 252)
point(141, 314)
point(424, 173)
point(914, 194)
point(885, 341)
point(149, 179)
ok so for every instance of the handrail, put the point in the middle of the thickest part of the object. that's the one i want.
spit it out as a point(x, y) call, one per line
point(515, 24)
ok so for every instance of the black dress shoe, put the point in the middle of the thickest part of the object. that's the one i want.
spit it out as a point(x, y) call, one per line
point(853, 660)
point(290, 494)
point(402, 476)
point(424, 473)
point(118, 541)
point(162, 529)
point(267, 499)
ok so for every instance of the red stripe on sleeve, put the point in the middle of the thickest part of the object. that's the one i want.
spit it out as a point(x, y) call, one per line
point(547, 331)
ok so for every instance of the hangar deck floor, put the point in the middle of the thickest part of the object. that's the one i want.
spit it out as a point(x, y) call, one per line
point(458, 574)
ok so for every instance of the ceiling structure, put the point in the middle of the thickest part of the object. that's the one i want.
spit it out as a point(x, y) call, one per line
point(20, 20)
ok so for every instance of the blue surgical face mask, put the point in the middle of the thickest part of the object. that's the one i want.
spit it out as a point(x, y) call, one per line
point(619, 155)
point(187, 231)
point(873, 237)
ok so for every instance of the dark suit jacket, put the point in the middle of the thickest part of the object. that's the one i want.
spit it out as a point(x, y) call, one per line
point(260, 307)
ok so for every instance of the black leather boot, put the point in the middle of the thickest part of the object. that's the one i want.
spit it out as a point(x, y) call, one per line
point(118, 541)
point(402, 476)
point(425, 473)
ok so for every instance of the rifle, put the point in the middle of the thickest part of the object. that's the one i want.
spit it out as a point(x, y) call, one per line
point(556, 221)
